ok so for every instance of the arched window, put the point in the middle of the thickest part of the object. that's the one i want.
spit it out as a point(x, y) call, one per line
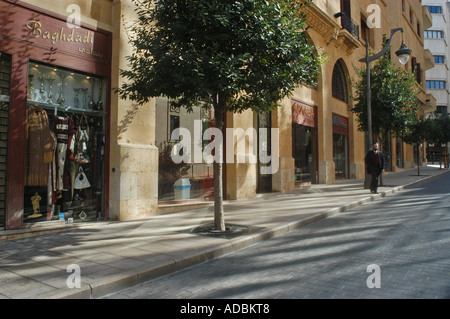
point(339, 83)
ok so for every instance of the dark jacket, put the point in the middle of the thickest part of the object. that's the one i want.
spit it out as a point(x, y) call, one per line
point(370, 161)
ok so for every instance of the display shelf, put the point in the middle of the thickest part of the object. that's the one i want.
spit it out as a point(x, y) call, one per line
point(60, 109)
point(65, 91)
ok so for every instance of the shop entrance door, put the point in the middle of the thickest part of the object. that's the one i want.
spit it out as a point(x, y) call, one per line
point(264, 180)
point(340, 155)
point(304, 148)
point(5, 71)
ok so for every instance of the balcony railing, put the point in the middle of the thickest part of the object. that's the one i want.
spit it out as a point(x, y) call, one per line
point(349, 25)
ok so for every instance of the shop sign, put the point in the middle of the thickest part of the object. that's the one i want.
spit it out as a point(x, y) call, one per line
point(303, 114)
point(63, 35)
point(52, 34)
point(340, 124)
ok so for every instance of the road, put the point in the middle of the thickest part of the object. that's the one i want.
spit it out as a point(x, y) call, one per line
point(394, 247)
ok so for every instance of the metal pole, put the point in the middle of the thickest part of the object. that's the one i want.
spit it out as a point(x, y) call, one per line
point(369, 97)
point(369, 111)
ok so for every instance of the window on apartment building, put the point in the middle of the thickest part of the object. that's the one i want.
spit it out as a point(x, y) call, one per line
point(366, 32)
point(435, 9)
point(433, 34)
point(416, 70)
point(436, 85)
point(441, 109)
point(439, 59)
point(339, 83)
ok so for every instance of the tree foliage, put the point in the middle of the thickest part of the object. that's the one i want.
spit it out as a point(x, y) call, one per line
point(417, 132)
point(439, 131)
point(435, 130)
point(394, 98)
point(252, 53)
point(226, 54)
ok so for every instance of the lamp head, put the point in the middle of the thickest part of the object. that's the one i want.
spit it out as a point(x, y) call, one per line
point(403, 54)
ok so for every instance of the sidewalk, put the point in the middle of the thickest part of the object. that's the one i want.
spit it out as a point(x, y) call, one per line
point(115, 255)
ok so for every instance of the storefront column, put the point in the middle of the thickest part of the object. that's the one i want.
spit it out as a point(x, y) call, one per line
point(356, 152)
point(241, 172)
point(283, 179)
point(325, 131)
point(16, 138)
point(134, 156)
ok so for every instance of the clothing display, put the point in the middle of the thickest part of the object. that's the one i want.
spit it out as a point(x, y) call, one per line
point(64, 129)
point(40, 147)
point(64, 168)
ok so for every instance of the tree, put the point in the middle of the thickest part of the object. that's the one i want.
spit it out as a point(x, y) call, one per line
point(226, 54)
point(416, 133)
point(394, 99)
point(439, 133)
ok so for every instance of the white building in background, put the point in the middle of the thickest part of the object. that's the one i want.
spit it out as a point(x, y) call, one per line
point(437, 41)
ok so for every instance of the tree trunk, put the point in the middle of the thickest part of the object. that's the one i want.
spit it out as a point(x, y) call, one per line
point(219, 220)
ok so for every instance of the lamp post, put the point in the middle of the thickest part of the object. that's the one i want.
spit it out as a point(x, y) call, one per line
point(403, 54)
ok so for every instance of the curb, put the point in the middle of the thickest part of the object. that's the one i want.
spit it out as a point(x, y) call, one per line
point(126, 280)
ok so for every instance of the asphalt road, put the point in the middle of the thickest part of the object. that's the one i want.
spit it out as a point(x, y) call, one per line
point(395, 247)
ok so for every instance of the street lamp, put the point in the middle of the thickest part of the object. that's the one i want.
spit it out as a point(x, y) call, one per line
point(403, 54)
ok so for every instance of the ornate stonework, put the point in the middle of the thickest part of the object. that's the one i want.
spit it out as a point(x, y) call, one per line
point(330, 30)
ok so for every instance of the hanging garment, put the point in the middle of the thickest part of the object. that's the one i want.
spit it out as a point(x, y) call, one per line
point(40, 147)
point(82, 139)
point(63, 128)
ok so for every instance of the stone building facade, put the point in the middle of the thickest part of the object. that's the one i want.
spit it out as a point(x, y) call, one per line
point(317, 136)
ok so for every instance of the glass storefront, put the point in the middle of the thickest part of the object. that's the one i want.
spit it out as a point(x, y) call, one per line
point(305, 153)
point(304, 142)
point(64, 169)
point(5, 76)
point(340, 151)
point(183, 181)
point(340, 146)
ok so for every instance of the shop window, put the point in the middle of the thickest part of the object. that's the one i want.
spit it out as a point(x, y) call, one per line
point(182, 181)
point(64, 177)
point(174, 123)
point(339, 83)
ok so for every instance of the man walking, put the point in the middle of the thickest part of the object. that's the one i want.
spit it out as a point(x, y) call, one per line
point(374, 166)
